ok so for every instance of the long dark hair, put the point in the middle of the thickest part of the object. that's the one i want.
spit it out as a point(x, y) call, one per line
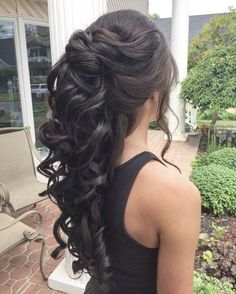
point(106, 73)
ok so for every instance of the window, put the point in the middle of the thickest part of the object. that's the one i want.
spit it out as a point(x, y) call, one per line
point(39, 60)
point(10, 105)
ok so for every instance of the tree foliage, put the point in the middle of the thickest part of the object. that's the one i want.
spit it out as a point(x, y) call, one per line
point(211, 84)
point(153, 16)
point(220, 30)
point(211, 81)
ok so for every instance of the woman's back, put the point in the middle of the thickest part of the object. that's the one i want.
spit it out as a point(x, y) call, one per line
point(133, 264)
point(134, 258)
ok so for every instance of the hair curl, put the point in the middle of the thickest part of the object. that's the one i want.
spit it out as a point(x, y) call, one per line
point(106, 73)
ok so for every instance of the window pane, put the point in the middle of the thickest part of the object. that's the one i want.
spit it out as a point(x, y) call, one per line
point(39, 59)
point(10, 106)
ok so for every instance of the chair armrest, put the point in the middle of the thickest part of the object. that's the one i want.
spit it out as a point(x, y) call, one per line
point(28, 235)
point(4, 194)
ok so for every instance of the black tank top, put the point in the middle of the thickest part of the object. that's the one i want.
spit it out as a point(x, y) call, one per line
point(134, 265)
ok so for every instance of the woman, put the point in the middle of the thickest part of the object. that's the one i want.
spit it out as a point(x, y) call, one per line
point(132, 221)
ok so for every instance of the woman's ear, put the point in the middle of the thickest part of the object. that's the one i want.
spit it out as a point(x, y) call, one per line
point(154, 101)
point(155, 97)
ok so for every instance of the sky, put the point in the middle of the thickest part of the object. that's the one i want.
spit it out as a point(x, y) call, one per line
point(196, 7)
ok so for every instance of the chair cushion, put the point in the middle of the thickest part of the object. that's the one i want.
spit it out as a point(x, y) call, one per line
point(17, 170)
point(13, 235)
point(25, 193)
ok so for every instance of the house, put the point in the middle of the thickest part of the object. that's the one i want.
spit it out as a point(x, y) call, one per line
point(196, 24)
point(33, 34)
point(25, 52)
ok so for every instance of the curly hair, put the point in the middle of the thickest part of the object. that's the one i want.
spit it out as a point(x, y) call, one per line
point(106, 73)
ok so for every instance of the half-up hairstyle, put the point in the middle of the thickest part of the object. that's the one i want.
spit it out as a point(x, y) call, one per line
point(106, 73)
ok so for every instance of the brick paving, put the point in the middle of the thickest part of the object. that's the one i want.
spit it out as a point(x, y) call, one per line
point(19, 268)
point(180, 153)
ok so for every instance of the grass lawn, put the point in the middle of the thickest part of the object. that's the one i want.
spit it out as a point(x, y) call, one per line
point(219, 123)
point(4, 97)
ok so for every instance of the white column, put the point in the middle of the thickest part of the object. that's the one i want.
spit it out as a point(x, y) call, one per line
point(66, 16)
point(194, 117)
point(179, 47)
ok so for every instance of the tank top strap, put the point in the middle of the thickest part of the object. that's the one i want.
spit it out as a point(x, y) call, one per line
point(129, 170)
point(137, 162)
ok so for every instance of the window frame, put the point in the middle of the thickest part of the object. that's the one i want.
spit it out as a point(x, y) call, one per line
point(23, 67)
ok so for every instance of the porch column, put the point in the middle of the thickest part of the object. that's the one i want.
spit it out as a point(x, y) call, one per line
point(67, 16)
point(179, 48)
point(194, 117)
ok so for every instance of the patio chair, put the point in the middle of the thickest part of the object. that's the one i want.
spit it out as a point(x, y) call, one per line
point(13, 233)
point(19, 187)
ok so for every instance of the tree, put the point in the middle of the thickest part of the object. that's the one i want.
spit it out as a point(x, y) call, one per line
point(211, 81)
point(153, 16)
point(220, 30)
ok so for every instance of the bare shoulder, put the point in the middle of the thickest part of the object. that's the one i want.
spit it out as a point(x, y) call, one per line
point(173, 205)
point(168, 180)
point(169, 192)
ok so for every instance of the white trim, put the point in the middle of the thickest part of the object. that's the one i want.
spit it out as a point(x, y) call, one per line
point(26, 73)
point(5, 18)
point(27, 99)
point(26, 20)
point(35, 22)
point(20, 75)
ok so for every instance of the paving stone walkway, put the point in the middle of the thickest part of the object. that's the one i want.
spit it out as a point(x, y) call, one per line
point(19, 268)
point(180, 153)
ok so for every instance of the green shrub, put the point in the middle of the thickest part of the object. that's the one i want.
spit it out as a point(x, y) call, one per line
point(228, 116)
point(217, 252)
point(217, 185)
point(209, 285)
point(200, 160)
point(225, 157)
